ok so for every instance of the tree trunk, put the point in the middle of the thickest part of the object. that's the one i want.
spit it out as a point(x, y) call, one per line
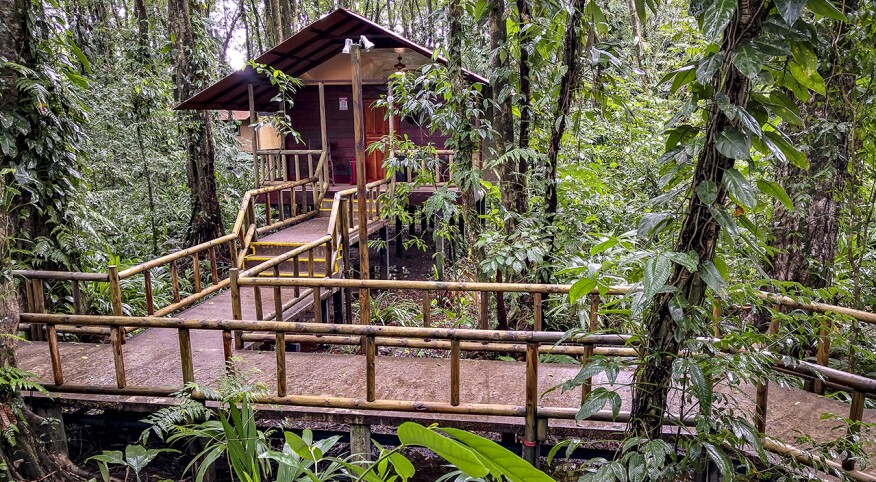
point(29, 458)
point(638, 43)
point(525, 94)
point(699, 233)
point(571, 47)
point(191, 65)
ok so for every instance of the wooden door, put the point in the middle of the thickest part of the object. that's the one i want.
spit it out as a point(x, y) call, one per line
point(376, 127)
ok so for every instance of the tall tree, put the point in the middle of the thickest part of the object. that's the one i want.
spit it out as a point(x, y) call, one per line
point(700, 229)
point(31, 114)
point(570, 61)
point(191, 61)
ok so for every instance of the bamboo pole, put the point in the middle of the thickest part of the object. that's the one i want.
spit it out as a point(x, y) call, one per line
point(454, 372)
point(427, 309)
point(174, 280)
point(361, 180)
point(278, 298)
point(236, 309)
point(214, 268)
point(822, 356)
point(281, 364)
point(116, 336)
point(530, 435)
point(77, 298)
point(185, 356)
point(55, 353)
point(147, 285)
point(253, 120)
point(196, 274)
point(587, 386)
point(370, 376)
point(537, 312)
point(317, 305)
point(856, 414)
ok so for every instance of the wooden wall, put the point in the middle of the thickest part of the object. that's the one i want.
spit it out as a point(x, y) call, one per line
point(339, 124)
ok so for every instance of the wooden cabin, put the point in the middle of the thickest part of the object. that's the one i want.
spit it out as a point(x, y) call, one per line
point(323, 110)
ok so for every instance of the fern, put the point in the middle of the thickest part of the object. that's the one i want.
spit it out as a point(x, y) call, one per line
point(14, 380)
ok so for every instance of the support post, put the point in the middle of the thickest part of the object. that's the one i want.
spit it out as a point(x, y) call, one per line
point(253, 120)
point(530, 431)
point(362, 198)
point(360, 441)
point(398, 238)
point(236, 309)
point(384, 253)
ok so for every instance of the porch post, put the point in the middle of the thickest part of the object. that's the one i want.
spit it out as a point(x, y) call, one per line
point(359, 134)
point(253, 119)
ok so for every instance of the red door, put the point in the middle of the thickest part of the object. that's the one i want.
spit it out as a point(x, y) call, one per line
point(376, 127)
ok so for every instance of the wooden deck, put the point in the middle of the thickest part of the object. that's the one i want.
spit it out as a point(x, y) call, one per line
point(152, 359)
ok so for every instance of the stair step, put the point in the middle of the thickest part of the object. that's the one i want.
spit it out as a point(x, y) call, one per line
point(302, 259)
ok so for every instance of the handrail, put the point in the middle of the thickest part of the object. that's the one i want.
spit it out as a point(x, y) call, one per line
point(60, 275)
point(153, 263)
point(277, 260)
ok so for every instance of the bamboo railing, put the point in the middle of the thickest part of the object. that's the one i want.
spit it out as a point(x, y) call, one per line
point(530, 343)
point(302, 197)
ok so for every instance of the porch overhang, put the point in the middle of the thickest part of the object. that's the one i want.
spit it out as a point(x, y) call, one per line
point(311, 55)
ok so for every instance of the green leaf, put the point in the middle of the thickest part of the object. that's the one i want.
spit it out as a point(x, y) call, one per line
point(708, 67)
point(804, 68)
point(725, 466)
point(581, 288)
point(710, 274)
point(826, 9)
point(739, 188)
point(411, 433)
point(651, 223)
point(596, 400)
point(716, 18)
point(688, 260)
point(403, 467)
point(749, 60)
point(776, 191)
point(790, 10)
point(733, 143)
point(784, 151)
point(707, 191)
point(751, 125)
point(510, 465)
point(603, 246)
point(657, 271)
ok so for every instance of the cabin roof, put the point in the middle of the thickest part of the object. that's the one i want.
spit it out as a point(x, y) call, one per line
point(311, 47)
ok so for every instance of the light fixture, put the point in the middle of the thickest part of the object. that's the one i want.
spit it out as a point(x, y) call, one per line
point(363, 42)
point(400, 66)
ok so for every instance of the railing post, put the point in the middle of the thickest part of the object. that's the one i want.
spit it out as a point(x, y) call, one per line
point(147, 285)
point(77, 298)
point(763, 389)
point(52, 335)
point(856, 413)
point(236, 310)
point(214, 269)
point(454, 372)
point(823, 354)
point(278, 297)
point(537, 312)
point(196, 274)
point(427, 309)
point(39, 306)
point(530, 430)
point(117, 334)
point(185, 356)
point(370, 376)
point(345, 255)
point(317, 305)
point(115, 290)
point(280, 348)
point(174, 281)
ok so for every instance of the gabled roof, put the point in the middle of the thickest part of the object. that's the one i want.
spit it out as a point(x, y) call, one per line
point(310, 47)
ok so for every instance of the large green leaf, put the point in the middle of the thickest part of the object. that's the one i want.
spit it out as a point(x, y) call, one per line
point(411, 433)
point(713, 278)
point(749, 60)
point(403, 467)
point(739, 188)
point(657, 271)
point(827, 9)
point(596, 400)
point(776, 191)
point(581, 288)
point(733, 143)
point(707, 192)
point(716, 18)
point(804, 68)
point(790, 9)
point(785, 151)
point(510, 465)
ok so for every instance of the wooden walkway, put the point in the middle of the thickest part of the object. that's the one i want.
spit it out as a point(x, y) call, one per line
point(152, 359)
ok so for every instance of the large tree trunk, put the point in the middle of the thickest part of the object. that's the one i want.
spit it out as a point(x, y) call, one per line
point(191, 65)
point(638, 43)
point(29, 458)
point(699, 233)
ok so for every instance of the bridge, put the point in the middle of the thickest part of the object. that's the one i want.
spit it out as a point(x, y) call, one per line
point(288, 288)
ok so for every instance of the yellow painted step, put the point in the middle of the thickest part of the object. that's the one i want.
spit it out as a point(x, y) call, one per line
point(266, 258)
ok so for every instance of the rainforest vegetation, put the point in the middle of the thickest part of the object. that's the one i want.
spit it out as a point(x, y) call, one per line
point(702, 152)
